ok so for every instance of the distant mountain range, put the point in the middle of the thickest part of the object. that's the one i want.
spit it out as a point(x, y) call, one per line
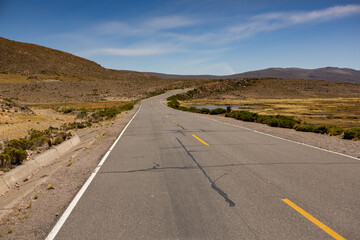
point(25, 58)
point(328, 73)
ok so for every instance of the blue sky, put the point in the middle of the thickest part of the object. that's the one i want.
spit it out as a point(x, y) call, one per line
point(192, 36)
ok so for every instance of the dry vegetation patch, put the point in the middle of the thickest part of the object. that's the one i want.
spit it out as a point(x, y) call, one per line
point(343, 112)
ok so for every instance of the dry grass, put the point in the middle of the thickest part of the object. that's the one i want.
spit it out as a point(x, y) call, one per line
point(18, 78)
point(16, 125)
point(79, 105)
point(343, 112)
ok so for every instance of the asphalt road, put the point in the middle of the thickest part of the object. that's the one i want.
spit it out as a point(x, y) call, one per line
point(176, 175)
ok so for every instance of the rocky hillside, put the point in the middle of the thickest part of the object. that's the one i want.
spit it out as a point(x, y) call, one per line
point(24, 58)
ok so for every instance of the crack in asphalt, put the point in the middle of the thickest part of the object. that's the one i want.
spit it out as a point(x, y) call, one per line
point(213, 184)
point(157, 167)
point(152, 169)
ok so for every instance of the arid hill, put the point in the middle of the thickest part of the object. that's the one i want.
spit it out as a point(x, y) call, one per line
point(24, 58)
point(329, 74)
point(276, 88)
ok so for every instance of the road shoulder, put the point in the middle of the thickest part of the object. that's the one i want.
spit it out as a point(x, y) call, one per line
point(35, 206)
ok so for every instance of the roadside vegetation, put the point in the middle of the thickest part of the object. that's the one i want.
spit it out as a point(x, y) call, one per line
point(87, 117)
point(271, 120)
point(15, 151)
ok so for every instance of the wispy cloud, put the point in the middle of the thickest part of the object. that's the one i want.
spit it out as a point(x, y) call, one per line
point(277, 20)
point(142, 51)
point(169, 22)
point(180, 33)
point(145, 26)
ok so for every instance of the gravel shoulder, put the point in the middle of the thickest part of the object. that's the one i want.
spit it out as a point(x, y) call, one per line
point(30, 209)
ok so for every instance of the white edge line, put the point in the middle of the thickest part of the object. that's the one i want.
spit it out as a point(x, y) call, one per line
point(76, 199)
point(266, 134)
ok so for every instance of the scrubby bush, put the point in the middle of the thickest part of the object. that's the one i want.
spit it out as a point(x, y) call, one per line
point(173, 103)
point(217, 111)
point(352, 133)
point(127, 107)
point(68, 110)
point(335, 130)
point(5, 160)
point(204, 111)
point(277, 121)
point(323, 129)
point(21, 143)
point(243, 115)
point(17, 156)
point(39, 138)
point(109, 113)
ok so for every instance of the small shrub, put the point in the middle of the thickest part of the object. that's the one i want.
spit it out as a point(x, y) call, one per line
point(5, 160)
point(127, 107)
point(323, 129)
point(173, 103)
point(217, 111)
point(68, 110)
point(21, 143)
point(277, 121)
point(306, 128)
point(60, 137)
point(82, 115)
point(204, 111)
point(244, 116)
point(335, 130)
point(40, 141)
point(352, 134)
point(17, 156)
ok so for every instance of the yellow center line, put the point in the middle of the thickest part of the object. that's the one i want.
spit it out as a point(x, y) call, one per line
point(166, 116)
point(314, 220)
point(200, 140)
point(176, 122)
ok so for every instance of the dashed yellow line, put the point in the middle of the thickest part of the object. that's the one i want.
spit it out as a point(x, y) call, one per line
point(176, 122)
point(200, 140)
point(314, 220)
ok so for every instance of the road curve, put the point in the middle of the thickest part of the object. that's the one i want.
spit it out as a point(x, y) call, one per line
point(175, 175)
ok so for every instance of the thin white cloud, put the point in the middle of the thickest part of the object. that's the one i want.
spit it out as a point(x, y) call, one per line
point(127, 51)
point(277, 20)
point(169, 22)
point(146, 26)
point(114, 27)
point(160, 35)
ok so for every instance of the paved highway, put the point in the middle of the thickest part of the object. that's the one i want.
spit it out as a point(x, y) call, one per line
point(176, 175)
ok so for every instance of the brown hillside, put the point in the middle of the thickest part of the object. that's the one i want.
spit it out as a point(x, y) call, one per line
point(276, 88)
point(24, 58)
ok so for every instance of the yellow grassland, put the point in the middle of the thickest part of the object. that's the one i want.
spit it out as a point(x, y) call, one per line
point(16, 125)
point(343, 112)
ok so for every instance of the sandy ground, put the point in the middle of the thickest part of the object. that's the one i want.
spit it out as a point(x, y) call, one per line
point(30, 210)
